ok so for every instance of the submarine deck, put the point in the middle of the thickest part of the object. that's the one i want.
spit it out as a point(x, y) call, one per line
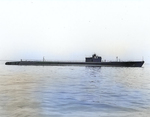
point(57, 63)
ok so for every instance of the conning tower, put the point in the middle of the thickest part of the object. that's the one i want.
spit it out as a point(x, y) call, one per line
point(94, 58)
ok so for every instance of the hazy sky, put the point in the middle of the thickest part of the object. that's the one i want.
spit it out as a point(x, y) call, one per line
point(73, 29)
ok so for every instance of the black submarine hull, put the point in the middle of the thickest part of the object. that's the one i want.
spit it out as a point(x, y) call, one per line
point(52, 63)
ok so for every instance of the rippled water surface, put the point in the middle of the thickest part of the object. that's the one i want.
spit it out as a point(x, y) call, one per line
point(74, 91)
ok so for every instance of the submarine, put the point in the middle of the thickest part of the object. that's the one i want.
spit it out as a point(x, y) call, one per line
point(89, 61)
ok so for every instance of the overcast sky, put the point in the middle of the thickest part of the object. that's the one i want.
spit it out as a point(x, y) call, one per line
point(73, 29)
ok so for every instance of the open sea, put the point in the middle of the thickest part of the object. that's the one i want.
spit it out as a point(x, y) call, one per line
point(74, 91)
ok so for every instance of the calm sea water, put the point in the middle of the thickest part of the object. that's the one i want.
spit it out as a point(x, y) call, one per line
point(74, 91)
